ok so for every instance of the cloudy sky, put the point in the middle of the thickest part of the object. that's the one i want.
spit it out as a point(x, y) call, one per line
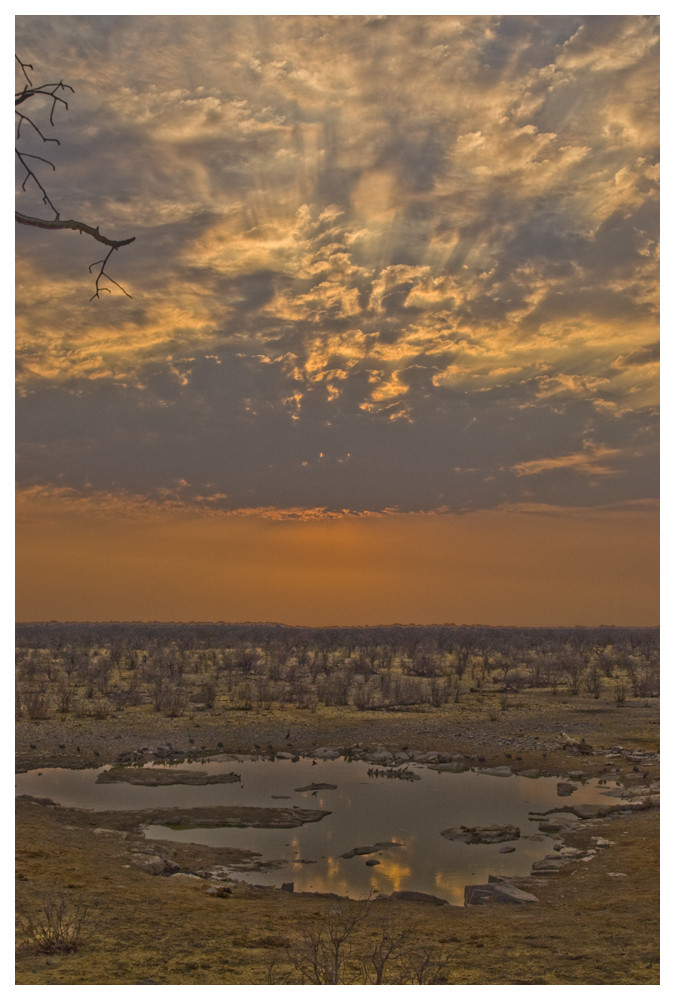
point(391, 351)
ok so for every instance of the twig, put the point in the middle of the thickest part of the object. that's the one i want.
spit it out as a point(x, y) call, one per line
point(51, 90)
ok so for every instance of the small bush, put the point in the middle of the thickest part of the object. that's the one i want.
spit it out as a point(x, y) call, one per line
point(36, 704)
point(58, 925)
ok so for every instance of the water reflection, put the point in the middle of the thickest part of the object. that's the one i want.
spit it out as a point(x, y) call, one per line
point(364, 811)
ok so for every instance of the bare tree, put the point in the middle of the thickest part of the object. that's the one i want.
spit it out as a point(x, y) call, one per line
point(54, 94)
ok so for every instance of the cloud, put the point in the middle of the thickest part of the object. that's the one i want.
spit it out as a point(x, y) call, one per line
point(423, 248)
point(589, 462)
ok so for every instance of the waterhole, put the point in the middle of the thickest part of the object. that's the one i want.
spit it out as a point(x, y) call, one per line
point(399, 820)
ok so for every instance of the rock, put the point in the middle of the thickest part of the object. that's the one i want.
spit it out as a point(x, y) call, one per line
point(288, 886)
point(506, 850)
point(187, 878)
point(372, 861)
point(326, 753)
point(530, 773)
point(547, 865)
point(359, 850)
point(153, 864)
point(497, 890)
point(496, 772)
point(505, 892)
point(570, 852)
point(315, 786)
point(278, 817)
point(561, 824)
point(602, 842)
point(418, 897)
point(161, 776)
point(477, 895)
point(489, 834)
point(564, 788)
point(221, 891)
point(454, 767)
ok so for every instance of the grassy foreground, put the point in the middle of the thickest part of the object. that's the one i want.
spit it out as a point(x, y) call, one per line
point(595, 923)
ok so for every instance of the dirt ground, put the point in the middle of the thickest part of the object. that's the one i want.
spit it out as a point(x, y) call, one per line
point(594, 923)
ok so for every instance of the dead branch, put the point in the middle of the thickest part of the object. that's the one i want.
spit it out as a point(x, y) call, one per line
point(52, 91)
point(82, 227)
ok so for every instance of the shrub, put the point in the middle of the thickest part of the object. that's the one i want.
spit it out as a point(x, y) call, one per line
point(36, 703)
point(58, 925)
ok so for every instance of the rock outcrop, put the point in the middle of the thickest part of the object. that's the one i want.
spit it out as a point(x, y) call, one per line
point(489, 834)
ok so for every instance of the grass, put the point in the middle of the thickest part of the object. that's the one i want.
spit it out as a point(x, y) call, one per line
point(589, 926)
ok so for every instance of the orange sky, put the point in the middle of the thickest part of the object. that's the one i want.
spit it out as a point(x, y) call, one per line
point(493, 567)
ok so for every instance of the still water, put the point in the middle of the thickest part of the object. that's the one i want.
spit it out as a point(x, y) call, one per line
point(364, 810)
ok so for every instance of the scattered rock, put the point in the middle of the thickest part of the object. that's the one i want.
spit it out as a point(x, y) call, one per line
point(497, 890)
point(153, 864)
point(221, 891)
point(326, 753)
point(315, 786)
point(163, 776)
point(381, 845)
point(489, 834)
point(187, 878)
point(279, 817)
point(418, 897)
point(548, 865)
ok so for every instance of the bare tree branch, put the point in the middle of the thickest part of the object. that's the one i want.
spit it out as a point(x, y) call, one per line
point(82, 227)
point(52, 91)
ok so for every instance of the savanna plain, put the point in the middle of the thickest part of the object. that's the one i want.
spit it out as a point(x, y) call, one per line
point(98, 903)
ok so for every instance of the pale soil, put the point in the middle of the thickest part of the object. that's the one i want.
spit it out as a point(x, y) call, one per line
point(530, 727)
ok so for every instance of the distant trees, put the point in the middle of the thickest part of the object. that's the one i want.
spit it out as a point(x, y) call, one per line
point(100, 669)
point(31, 103)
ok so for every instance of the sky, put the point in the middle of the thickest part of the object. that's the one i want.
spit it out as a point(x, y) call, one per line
point(391, 351)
